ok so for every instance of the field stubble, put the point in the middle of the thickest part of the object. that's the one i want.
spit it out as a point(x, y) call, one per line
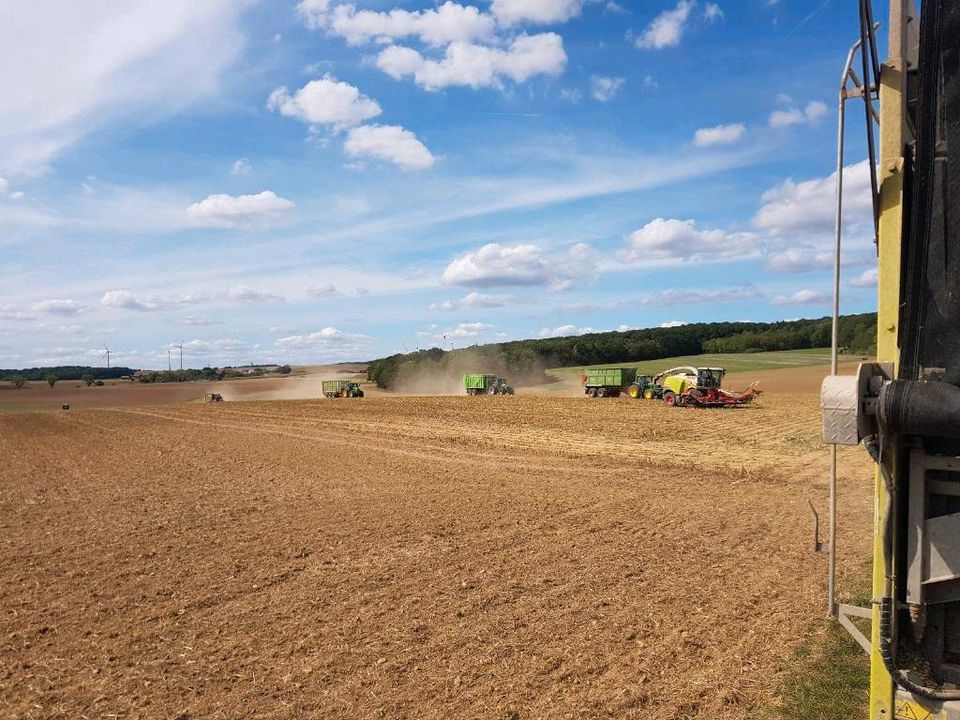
point(411, 557)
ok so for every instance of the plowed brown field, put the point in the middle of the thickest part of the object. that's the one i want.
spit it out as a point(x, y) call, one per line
point(412, 558)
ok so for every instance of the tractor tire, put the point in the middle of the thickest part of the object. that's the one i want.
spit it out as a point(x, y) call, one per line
point(669, 399)
point(510, 390)
point(634, 391)
point(648, 394)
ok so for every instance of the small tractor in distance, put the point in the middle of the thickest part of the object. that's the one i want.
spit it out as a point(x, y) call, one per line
point(478, 384)
point(700, 387)
point(341, 389)
point(212, 397)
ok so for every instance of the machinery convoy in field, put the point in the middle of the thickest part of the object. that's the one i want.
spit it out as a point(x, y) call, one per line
point(678, 387)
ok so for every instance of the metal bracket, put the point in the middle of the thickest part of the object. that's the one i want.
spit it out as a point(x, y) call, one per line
point(843, 615)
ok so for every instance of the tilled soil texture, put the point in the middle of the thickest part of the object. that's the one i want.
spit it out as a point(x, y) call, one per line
point(412, 558)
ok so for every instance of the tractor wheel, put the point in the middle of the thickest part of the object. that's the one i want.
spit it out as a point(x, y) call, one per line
point(648, 394)
point(669, 399)
point(634, 391)
point(510, 390)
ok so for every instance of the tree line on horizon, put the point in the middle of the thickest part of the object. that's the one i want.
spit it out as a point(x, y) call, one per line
point(523, 360)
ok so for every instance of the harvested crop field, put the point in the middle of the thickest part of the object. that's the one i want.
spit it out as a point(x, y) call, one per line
point(412, 558)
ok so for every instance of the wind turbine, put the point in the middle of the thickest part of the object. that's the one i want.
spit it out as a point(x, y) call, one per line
point(169, 368)
point(180, 348)
point(106, 354)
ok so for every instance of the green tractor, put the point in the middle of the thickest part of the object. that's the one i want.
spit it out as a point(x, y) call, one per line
point(486, 385)
point(645, 387)
point(341, 389)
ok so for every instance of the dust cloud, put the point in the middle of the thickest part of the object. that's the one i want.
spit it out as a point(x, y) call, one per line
point(445, 377)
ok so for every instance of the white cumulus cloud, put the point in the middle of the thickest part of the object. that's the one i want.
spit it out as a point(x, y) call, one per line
point(474, 300)
point(228, 211)
point(712, 12)
point(330, 341)
point(325, 102)
point(542, 12)
point(241, 168)
point(527, 264)
point(803, 297)
point(719, 135)
point(563, 331)
point(450, 22)
point(603, 88)
point(810, 114)
point(804, 208)
point(666, 29)
point(465, 330)
point(476, 66)
point(867, 279)
point(313, 12)
point(797, 260)
point(389, 142)
point(670, 239)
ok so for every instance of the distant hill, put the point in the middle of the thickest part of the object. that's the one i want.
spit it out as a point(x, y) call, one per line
point(524, 361)
point(69, 372)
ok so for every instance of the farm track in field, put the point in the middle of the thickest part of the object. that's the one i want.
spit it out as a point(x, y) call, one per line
point(411, 558)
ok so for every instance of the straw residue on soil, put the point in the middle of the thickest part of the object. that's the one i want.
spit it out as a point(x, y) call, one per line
point(409, 557)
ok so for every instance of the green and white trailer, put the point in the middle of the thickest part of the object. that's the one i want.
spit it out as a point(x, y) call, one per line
point(341, 389)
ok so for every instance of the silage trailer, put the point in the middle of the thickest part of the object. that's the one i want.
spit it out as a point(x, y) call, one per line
point(482, 384)
point(607, 382)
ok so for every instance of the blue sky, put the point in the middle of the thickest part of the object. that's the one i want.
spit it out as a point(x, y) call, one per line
point(323, 181)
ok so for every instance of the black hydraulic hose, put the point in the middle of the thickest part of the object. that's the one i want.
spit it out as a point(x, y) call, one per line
point(874, 59)
point(871, 82)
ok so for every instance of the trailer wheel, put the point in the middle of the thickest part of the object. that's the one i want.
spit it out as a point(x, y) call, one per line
point(669, 399)
point(592, 392)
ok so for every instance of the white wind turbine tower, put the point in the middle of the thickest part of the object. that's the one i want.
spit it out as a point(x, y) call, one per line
point(106, 354)
point(180, 348)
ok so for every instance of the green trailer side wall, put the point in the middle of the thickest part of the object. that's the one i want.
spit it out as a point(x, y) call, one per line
point(610, 377)
point(334, 386)
point(478, 382)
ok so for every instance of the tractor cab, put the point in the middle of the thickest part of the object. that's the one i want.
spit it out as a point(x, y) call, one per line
point(710, 377)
